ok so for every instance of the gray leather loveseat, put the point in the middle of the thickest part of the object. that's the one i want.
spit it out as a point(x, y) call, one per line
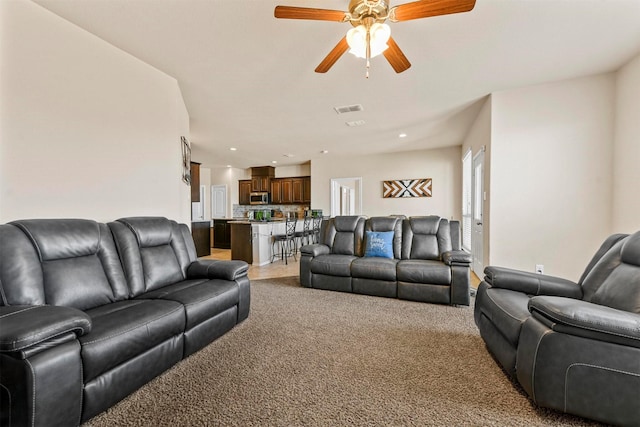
point(90, 312)
point(424, 261)
point(574, 347)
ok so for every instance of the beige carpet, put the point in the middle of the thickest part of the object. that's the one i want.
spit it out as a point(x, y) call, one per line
point(308, 357)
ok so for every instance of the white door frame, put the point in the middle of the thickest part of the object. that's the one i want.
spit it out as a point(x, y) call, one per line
point(477, 207)
point(336, 194)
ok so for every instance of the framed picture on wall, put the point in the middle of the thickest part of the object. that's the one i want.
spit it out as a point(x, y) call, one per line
point(186, 160)
point(400, 188)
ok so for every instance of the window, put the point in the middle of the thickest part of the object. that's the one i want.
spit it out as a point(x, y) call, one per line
point(466, 201)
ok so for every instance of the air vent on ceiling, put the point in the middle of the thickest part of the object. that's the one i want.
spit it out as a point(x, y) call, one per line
point(348, 108)
point(355, 123)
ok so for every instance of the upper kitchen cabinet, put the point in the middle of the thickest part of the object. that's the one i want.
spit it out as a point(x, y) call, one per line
point(287, 191)
point(276, 191)
point(261, 178)
point(306, 189)
point(260, 183)
point(195, 182)
point(244, 192)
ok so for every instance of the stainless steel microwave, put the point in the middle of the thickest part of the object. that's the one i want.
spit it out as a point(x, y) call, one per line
point(260, 198)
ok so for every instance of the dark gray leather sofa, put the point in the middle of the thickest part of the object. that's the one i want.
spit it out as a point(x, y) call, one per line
point(90, 312)
point(427, 263)
point(574, 347)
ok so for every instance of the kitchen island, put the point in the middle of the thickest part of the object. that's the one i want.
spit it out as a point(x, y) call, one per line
point(251, 240)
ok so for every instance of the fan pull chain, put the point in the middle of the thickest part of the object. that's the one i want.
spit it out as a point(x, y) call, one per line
point(368, 50)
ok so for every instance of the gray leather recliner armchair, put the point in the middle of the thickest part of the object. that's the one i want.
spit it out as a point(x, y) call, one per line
point(574, 347)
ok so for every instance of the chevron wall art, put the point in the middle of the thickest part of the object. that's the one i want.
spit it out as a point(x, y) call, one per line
point(406, 188)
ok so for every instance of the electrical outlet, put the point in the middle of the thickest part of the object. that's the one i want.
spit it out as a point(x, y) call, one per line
point(539, 268)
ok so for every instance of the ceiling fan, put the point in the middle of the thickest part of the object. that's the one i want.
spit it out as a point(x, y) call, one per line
point(370, 35)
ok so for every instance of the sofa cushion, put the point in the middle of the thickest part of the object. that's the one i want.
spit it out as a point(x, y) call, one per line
point(424, 271)
point(332, 265)
point(507, 310)
point(374, 268)
point(78, 262)
point(620, 289)
point(202, 299)
point(155, 251)
point(378, 244)
point(125, 329)
point(344, 235)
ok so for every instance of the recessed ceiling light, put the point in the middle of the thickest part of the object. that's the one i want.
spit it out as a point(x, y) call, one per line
point(324, 151)
point(233, 148)
point(274, 161)
point(288, 155)
point(402, 135)
point(228, 166)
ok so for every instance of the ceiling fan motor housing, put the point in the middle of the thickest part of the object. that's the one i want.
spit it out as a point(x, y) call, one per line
point(361, 9)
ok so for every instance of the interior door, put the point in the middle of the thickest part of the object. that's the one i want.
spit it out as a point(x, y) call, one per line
point(477, 237)
point(218, 201)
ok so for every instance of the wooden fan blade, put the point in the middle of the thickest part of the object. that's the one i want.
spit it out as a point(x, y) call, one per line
point(333, 56)
point(291, 12)
point(396, 58)
point(427, 8)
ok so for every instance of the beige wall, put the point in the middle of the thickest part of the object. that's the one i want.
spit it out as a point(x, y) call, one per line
point(626, 173)
point(443, 166)
point(551, 174)
point(86, 130)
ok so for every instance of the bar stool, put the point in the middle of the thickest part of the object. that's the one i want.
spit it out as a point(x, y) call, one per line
point(315, 233)
point(303, 236)
point(285, 242)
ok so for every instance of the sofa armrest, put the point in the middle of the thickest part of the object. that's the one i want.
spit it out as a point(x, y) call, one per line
point(531, 283)
point(582, 318)
point(24, 326)
point(456, 257)
point(217, 269)
point(315, 250)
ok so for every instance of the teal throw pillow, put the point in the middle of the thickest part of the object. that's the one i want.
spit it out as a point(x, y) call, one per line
point(379, 244)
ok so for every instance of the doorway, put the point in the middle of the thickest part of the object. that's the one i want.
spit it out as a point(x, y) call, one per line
point(346, 196)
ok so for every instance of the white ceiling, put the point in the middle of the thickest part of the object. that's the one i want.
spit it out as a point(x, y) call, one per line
point(248, 81)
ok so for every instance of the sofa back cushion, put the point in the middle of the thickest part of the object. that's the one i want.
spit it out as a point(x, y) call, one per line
point(63, 262)
point(603, 249)
point(345, 235)
point(386, 224)
point(425, 238)
point(155, 251)
point(597, 275)
point(621, 288)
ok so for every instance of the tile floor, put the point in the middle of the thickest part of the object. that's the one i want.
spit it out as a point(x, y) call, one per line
point(276, 269)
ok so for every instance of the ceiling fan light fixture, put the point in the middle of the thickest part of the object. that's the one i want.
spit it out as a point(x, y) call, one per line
point(378, 37)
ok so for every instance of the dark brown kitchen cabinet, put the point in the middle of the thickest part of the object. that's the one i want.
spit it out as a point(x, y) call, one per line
point(221, 234)
point(261, 178)
point(195, 182)
point(201, 232)
point(287, 190)
point(276, 191)
point(296, 190)
point(260, 183)
point(241, 242)
point(306, 189)
point(244, 194)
